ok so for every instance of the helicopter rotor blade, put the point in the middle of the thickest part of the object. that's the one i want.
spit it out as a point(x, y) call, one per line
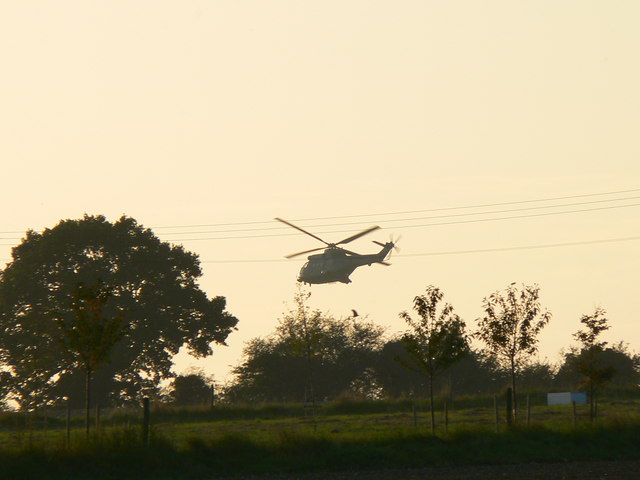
point(302, 230)
point(358, 235)
point(302, 253)
point(349, 251)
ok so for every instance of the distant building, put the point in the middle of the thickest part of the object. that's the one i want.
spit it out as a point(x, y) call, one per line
point(566, 398)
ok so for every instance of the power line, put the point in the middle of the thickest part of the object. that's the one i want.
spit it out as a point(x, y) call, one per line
point(395, 220)
point(434, 224)
point(450, 252)
point(479, 205)
point(546, 214)
point(547, 199)
point(464, 252)
point(408, 219)
point(523, 247)
point(456, 222)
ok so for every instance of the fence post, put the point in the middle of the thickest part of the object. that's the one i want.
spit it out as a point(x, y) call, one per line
point(45, 419)
point(98, 418)
point(145, 421)
point(575, 413)
point(213, 395)
point(415, 413)
point(495, 406)
point(528, 409)
point(68, 423)
point(446, 417)
point(509, 406)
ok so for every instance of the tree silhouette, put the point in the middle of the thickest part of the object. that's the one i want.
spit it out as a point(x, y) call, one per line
point(309, 355)
point(87, 336)
point(191, 388)
point(513, 319)
point(625, 365)
point(589, 360)
point(436, 340)
point(302, 330)
point(153, 282)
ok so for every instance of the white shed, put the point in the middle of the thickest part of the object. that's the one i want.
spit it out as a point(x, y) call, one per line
point(566, 398)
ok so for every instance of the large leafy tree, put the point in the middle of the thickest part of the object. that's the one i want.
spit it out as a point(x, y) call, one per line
point(434, 341)
point(513, 319)
point(152, 287)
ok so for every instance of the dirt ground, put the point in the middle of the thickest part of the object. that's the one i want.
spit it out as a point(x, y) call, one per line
point(609, 470)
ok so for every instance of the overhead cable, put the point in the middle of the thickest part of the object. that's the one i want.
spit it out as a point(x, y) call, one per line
point(271, 227)
point(456, 222)
point(492, 212)
point(463, 252)
point(547, 199)
point(450, 252)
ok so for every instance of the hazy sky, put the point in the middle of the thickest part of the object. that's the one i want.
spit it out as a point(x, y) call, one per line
point(182, 113)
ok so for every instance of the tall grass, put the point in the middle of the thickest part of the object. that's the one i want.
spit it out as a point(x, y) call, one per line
point(235, 440)
point(120, 455)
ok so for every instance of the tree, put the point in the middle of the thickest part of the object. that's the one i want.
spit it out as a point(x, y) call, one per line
point(87, 336)
point(395, 378)
point(436, 340)
point(474, 374)
point(309, 355)
point(588, 362)
point(624, 365)
point(302, 330)
point(191, 388)
point(153, 284)
point(537, 376)
point(513, 319)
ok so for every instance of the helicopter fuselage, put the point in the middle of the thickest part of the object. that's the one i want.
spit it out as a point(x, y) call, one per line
point(335, 265)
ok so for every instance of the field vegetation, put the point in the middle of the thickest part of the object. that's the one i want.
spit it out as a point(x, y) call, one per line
point(228, 441)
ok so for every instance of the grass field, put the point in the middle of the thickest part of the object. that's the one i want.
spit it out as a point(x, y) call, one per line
point(231, 441)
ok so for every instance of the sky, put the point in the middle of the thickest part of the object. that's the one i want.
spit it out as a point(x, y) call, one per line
point(202, 118)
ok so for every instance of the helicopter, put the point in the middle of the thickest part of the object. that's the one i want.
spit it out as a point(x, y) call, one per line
point(335, 264)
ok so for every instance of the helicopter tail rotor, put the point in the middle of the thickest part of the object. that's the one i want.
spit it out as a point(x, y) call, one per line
point(393, 243)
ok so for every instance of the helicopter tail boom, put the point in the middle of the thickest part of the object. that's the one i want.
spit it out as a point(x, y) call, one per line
point(384, 253)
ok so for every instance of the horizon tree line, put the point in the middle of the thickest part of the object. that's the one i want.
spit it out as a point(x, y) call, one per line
point(94, 309)
point(434, 356)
